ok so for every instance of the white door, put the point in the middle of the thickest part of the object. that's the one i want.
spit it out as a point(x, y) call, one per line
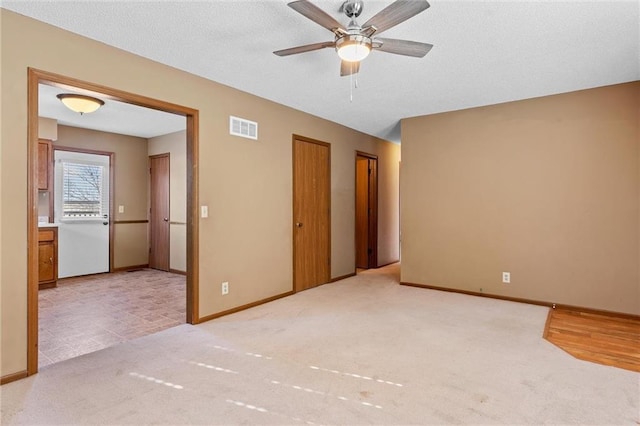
point(81, 209)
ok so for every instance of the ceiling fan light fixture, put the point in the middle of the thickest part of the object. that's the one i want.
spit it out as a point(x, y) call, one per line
point(80, 103)
point(353, 48)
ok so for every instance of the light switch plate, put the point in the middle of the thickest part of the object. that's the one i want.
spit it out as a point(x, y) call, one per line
point(204, 211)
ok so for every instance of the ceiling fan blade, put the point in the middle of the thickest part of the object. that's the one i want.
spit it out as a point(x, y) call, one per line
point(403, 47)
point(397, 12)
point(317, 15)
point(305, 48)
point(348, 68)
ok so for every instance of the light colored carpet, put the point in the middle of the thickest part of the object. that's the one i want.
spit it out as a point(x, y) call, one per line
point(360, 351)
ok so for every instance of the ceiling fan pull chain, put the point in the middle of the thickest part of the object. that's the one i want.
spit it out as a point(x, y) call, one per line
point(351, 87)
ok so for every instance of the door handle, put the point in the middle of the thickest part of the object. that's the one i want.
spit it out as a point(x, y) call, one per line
point(299, 224)
point(166, 219)
point(105, 223)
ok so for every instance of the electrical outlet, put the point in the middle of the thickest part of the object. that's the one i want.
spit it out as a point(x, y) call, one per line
point(225, 288)
point(120, 209)
point(506, 277)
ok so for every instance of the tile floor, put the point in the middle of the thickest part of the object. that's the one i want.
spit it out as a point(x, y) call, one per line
point(86, 314)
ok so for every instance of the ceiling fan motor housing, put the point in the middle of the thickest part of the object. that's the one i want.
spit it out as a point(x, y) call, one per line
point(352, 8)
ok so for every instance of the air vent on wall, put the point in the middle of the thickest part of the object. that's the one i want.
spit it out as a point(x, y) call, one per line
point(243, 128)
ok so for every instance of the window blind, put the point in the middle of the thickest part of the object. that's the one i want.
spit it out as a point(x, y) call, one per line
point(82, 190)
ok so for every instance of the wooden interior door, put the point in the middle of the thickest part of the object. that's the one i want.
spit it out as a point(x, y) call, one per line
point(311, 213)
point(159, 212)
point(362, 212)
point(366, 211)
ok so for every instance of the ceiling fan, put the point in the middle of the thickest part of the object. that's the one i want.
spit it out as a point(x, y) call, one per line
point(355, 42)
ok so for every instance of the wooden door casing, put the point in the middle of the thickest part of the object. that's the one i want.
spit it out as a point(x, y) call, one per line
point(159, 212)
point(311, 213)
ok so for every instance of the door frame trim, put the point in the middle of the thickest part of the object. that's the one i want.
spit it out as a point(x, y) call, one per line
point(34, 78)
point(372, 227)
point(112, 182)
point(293, 179)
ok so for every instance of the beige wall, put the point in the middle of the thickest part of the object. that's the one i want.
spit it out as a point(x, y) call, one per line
point(247, 184)
point(547, 189)
point(389, 205)
point(175, 144)
point(130, 246)
point(47, 128)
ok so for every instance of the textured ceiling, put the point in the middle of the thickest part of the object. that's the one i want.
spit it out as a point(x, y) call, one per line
point(485, 52)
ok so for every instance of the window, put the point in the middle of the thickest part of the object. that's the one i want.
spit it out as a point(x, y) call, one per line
point(82, 190)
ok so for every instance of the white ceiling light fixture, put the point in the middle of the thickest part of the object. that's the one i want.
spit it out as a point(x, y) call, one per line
point(80, 103)
point(353, 48)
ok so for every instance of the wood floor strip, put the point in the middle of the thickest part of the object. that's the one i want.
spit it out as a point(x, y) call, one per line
point(596, 337)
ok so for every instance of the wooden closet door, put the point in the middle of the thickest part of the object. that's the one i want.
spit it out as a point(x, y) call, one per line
point(311, 213)
point(159, 215)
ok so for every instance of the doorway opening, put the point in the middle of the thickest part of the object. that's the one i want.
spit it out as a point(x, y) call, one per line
point(37, 78)
point(366, 211)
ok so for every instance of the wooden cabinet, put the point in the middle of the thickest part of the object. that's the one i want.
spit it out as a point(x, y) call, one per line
point(47, 257)
point(45, 176)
